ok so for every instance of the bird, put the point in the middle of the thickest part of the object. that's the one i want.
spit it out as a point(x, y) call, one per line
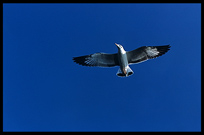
point(122, 58)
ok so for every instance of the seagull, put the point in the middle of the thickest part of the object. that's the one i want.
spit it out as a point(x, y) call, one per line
point(122, 58)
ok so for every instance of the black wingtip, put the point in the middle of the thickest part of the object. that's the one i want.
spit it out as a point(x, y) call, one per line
point(162, 50)
point(168, 46)
point(81, 60)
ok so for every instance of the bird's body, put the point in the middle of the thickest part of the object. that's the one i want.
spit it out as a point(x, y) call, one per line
point(122, 58)
point(124, 69)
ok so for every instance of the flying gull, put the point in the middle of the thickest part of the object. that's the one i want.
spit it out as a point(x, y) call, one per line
point(122, 58)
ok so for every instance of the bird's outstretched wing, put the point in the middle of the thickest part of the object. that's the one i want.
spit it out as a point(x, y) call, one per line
point(98, 59)
point(146, 52)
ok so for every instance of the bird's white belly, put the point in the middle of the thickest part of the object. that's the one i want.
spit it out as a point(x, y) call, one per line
point(123, 61)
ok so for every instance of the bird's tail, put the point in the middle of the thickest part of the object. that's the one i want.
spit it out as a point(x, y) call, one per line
point(122, 74)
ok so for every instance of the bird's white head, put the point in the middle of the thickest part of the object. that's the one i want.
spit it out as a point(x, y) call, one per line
point(118, 45)
point(120, 48)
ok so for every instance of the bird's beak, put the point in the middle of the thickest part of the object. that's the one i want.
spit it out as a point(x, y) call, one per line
point(117, 45)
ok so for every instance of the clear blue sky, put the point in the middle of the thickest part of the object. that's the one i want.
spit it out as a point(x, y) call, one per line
point(44, 90)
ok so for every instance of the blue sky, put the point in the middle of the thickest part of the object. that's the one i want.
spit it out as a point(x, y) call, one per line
point(44, 90)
